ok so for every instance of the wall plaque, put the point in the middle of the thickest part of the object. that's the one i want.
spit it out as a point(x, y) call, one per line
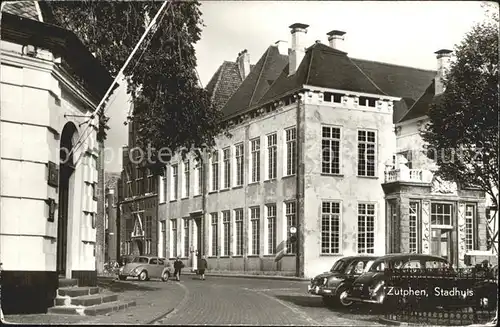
point(52, 209)
point(53, 178)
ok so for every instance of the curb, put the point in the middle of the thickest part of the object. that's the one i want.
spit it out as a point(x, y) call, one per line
point(270, 277)
point(389, 322)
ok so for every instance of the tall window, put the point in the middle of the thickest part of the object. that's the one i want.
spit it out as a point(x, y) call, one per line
point(227, 167)
point(272, 151)
point(173, 238)
point(470, 239)
point(161, 190)
point(198, 175)
point(255, 160)
point(366, 228)
point(291, 220)
point(330, 227)
point(150, 182)
point(186, 179)
point(149, 234)
point(291, 151)
point(413, 239)
point(226, 224)
point(395, 226)
point(440, 214)
point(165, 184)
point(163, 228)
point(330, 150)
point(239, 164)
point(255, 226)
point(271, 228)
point(175, 182)
point(186, 238)
point(238, 221)
point(366, 153)
point(214, 251)
point(215, 171)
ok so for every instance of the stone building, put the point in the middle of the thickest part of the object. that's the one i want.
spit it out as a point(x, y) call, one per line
point(111, 223)
point(50, 86)
point(138, 204)
point(426, 214)
point(312, 135)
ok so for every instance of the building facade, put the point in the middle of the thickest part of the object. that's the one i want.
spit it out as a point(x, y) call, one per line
point(312, 131)
point(138, 204)
point(50, 86)
point(112, 245)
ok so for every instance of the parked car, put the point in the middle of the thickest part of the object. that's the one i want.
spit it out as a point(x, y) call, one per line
point(333, 285)
point(146, 267)
point(369, 287)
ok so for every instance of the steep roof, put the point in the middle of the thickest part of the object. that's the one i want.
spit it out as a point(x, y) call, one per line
point(224, 83)
point(422, 105)
point(26, 9)
point(326, 67)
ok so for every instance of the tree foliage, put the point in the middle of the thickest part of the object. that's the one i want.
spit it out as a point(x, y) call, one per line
point(463, 126)
point(171, 110)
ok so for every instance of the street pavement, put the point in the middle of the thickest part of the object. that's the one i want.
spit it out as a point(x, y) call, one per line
point(216, 301)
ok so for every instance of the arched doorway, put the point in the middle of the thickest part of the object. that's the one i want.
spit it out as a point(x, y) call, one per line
point(66, 169)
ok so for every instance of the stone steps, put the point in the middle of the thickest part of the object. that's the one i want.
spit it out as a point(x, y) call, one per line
point(72, 299)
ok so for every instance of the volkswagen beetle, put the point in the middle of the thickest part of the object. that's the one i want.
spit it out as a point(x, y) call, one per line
point(145, 268)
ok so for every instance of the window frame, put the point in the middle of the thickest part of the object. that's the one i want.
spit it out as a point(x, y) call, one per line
point(215, 171)
point(214, 237)
point(226, 233)
point(255, 152)
point(366, 232)
point(366, 159)
point(330, 142)
point(226, 165)
point(239, 164)
point(272, 167)
point(238, 231)
point(474, 227)
point(291, 248)
point(173, 238)
point(290, 167)
point(186, 178)
point(417, 225)
point(174, 173)
point(271, 241)
point(254, 247)
point(331, 236)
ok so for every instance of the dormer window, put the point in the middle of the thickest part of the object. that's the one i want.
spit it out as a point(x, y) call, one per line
point(367, 102)
point(332, 97)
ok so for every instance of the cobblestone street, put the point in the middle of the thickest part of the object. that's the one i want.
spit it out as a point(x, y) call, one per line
point(215, 301)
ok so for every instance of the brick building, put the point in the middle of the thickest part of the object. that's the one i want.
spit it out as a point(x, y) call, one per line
point(50, 86)
point(138, 204)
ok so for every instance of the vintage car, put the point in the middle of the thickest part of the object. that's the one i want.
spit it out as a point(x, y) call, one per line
point(146, 267)
point(369, 287)
point(334, 284)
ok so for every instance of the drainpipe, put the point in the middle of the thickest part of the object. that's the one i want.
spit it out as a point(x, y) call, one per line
point(299, 193)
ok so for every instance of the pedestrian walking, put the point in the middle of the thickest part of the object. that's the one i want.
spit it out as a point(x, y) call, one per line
point(202, 265)
point(178, 265)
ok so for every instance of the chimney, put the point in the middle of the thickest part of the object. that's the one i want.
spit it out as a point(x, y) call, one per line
point(243, 61)
point(298, 49)
point(336, 39)
point(282, 47)
point(443, 65)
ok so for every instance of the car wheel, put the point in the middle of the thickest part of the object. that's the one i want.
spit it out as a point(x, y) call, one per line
point(143, 275)
point(122, 277)
point(166, 276)
point(342, 294)
point(328, 301)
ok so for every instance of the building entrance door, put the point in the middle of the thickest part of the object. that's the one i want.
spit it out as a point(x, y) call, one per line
point(441, 243)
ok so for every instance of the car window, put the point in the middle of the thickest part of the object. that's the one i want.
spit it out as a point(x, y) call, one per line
point(140, 260)
point(369, 265)
point(412, 264)
point(161, 261)
point(153, 261)
point(378, 266)
point(434, 264)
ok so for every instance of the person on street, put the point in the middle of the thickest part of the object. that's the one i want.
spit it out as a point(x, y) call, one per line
point(178, 265)
point(202, 265)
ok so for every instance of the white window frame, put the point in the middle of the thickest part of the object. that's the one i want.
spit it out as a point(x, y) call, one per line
point(162, 244)
point(255, 152)
point(226, 219)
point(215, 177)
point(331, 217)
point(331, 140)
point(366, 250)
point(470, 227)
point(186, 178)
point(375, 154)
point(291, 248)
point(272, 250)
point(185, 237)
point(450, 215)
point(161, 189)
point(174, 177)
point(197, 175)
point(252, 218)
point(414, 238)
point(239, 164)
point(271, 148)
point(290, 138)
point(226, 168)
point(173, 237)
point(238, 220)
point(214, 221)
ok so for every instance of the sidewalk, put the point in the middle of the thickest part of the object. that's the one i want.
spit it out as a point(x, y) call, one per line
point(151, 302)
point(240, 275)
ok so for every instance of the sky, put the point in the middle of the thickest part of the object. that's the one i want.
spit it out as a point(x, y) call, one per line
point(399, 32)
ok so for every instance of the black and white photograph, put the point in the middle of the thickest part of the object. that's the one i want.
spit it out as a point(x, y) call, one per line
point(257, 163)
